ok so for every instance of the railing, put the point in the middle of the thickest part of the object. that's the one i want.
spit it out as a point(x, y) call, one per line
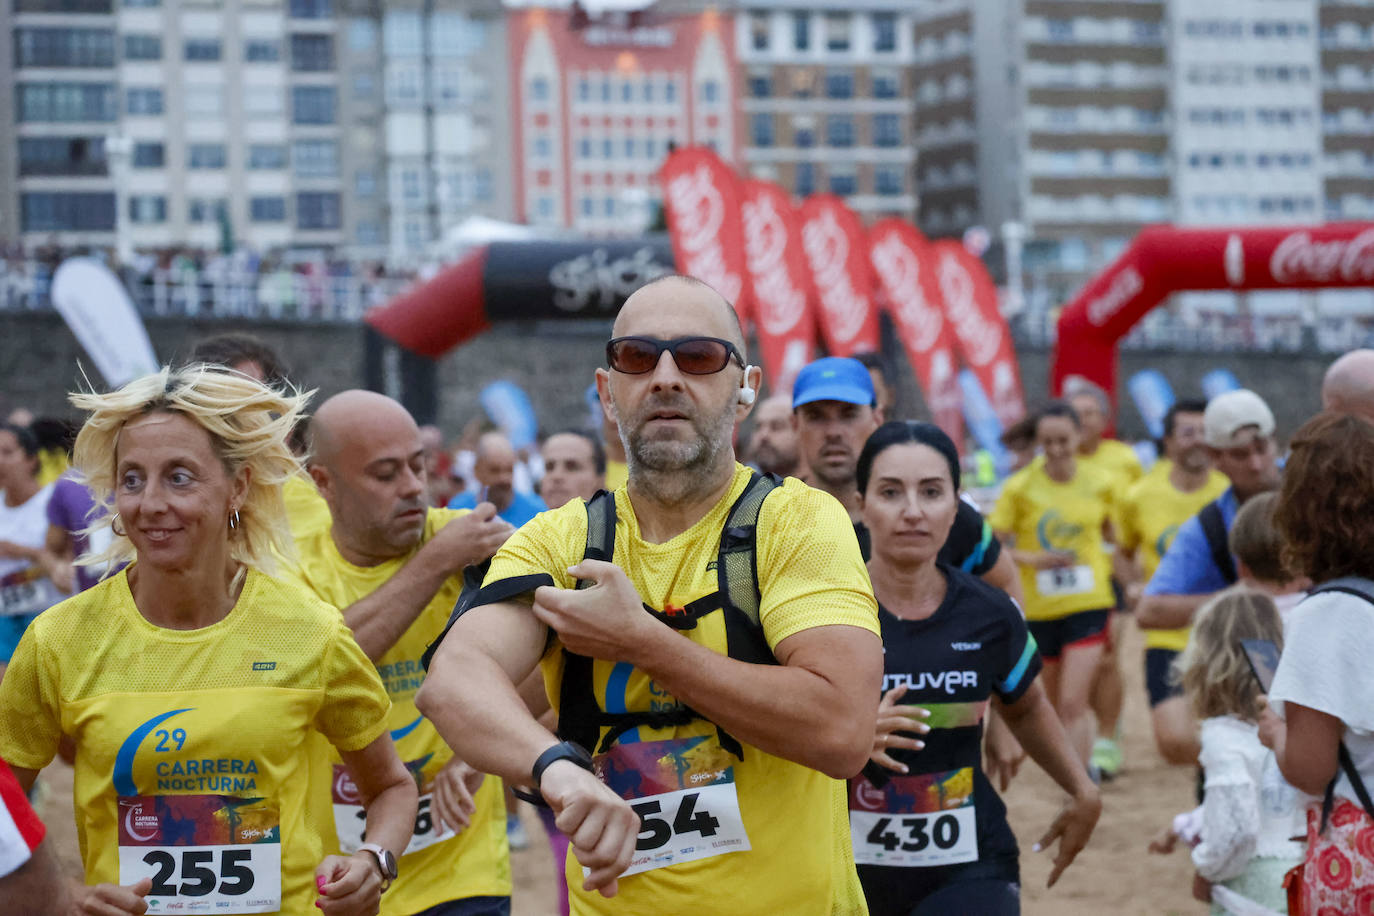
point(280, 294)
point(1218, 333)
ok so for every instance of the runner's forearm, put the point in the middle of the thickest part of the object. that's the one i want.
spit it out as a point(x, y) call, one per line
point(379, 620)
point(1168, 612)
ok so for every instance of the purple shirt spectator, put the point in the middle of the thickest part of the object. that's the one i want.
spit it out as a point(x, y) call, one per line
point(68, 509)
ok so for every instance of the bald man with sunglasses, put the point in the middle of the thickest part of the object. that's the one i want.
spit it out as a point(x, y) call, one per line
point(718, 772)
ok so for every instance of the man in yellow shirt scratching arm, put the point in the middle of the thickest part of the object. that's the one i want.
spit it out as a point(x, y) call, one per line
point(395, 568)
point(720, 740)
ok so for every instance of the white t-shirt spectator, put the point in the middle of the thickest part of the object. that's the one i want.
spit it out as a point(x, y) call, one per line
point(24, 589)
point(1328, 665)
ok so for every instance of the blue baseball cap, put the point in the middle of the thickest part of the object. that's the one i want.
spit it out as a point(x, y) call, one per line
point(834, 378)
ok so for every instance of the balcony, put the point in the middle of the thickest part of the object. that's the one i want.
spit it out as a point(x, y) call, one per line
point(1088, 74)
point(1088, 31)
point(1085, 119)
point(1093, 208)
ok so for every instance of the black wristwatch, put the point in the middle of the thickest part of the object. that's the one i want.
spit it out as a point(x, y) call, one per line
point(563, 750)
point(386, 862)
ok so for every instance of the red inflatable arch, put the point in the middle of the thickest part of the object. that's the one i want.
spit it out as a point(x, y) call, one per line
point(1164, 260)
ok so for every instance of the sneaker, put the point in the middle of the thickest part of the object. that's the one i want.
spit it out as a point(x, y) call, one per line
point(515, 833)
point(1107, 757)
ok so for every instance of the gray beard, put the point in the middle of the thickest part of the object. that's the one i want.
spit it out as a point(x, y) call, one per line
point(671, 471)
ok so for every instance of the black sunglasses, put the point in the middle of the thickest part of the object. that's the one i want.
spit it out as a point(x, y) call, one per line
point(693, 355)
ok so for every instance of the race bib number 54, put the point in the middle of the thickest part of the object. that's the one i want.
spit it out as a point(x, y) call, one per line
point(914, 821)
point(684, 793)
point(204, 853)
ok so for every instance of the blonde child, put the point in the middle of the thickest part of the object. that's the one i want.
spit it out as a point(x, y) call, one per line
point(1249, 814)
point(1258, 548)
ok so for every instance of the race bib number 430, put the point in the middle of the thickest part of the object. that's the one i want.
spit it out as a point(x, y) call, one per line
point(204, 853)
point(684, 793)
point(914, 821)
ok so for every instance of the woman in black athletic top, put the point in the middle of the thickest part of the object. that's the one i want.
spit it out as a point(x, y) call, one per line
point(929, 832)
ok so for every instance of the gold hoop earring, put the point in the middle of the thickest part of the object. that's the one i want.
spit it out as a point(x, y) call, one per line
point(114, 526)
point(234, 520)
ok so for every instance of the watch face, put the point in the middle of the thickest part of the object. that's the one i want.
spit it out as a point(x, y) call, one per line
point(388, 864)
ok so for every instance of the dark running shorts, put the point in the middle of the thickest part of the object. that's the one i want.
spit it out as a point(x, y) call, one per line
point(1157, 665)
point(1074, 631)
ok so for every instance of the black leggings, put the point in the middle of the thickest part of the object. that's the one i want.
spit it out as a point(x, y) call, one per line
point(978, 897)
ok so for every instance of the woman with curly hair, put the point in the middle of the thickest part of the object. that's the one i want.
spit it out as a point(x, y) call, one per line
point(190, 680)
point(1320, 723)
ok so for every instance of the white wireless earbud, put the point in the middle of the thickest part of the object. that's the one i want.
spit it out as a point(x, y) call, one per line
point(746, 394)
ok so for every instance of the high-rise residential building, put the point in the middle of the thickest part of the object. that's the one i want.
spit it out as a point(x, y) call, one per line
point(598, 101)
point(1346, 38)
point(826, 99)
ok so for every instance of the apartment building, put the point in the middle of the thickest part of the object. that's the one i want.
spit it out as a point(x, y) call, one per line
point(1346, 39)
point(825, 104)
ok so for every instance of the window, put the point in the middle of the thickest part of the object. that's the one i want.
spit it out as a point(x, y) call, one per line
point(207, 209)
point(584, 90)
point(202, 49)
point(316, 158)
point(59, 211)
point(205, 101)
point(887, 131)
point(205, 156)
point(147, 208)
point(544, 207)
point(843, 183)
point(758, 30)
point(261, 50)
point(760, 87)
point(362, 34)
point(839, 130)
point(369, 233)
point(62, 156)
point(584, 148)
point(884, 31)
point(839, 84)
point(67, 102)
point(142, 101)
point(365, 183)
point(364, 86)
point(806, 179)
point(313, 104)
point(264, 102)
point(411, 188)
point(539, 89)
point(608, 207)
point(888, 180)
point(627, 91)
point(607, 148)
point(837, 31)
point(803, 137)
point(761, 129)
point(312, 9)
point(886, 86)
point(262, 156)
point(142, 47)
point(543, 148)
point(64, 47)
point(631, 148)
point(141, 4)
point(316, 210)
point(481, 185)
point(402, 33)
point(587, 206)
point(149, 156)
point(710, 91)
point(312, 53)
point(801, 31)
point(670, 91)
point(648, 90)
point(267, 209)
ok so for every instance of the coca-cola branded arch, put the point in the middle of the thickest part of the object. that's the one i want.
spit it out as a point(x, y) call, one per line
point(1165, 259)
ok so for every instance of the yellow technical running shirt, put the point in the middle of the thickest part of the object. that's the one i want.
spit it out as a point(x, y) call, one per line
point(306, 509)
point(1044, 514)
point(1147, 518)
point(1117, 460)
point(795, 856)
point(191, 762)
point(437, 868)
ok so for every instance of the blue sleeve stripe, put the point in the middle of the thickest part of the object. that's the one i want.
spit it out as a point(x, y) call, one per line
point(972, 561)
point(1014, 679)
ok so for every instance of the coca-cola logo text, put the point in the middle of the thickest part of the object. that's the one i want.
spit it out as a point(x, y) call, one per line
point(1124, 287)
point(697, 208)
point(980, 337)
point(827, 251)
point(899, 269)
point(1299, 259)
point(779, 301)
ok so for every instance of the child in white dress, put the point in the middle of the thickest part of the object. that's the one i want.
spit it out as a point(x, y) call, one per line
point(1249, 813)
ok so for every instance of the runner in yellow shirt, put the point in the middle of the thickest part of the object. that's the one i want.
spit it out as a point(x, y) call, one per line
point(1147, 519)
point(1054, 516)
point(720, 742)
point(192, 681)
point(395, 567)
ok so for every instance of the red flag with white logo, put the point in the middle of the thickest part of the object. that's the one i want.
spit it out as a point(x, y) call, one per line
point(980, 330)
point(778, 280)
point(702, 206)
point(905, 267)
point(836, 250)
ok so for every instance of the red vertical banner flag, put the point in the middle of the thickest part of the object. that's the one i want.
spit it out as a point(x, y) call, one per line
point(779, 282)
point(836, 250)
point(970, 302)
point(905, 269)
point(702, 207)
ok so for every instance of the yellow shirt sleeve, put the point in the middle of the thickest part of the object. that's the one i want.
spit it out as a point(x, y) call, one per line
point(546, 545)
point(1126, 521)
point(1003, 515)
point(30, 713)
point(811, 573)
point(353, 714)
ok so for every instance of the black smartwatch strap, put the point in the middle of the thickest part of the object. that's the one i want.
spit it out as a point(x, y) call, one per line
point(563, 750)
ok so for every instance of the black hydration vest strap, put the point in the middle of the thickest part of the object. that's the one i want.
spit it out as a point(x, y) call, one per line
point(1214, 530)
point(578, 713)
